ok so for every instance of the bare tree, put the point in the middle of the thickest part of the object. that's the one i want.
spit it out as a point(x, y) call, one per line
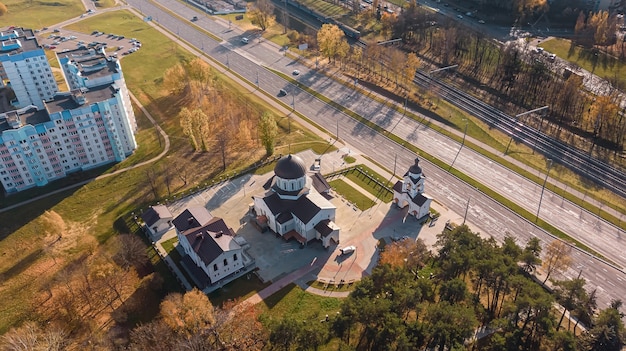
point(557, 257)
point(131, 252)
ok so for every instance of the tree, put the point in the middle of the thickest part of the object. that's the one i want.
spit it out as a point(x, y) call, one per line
point(31, 337)
point(3, 9)
point(449, 325)
point(531, 256)
point(332, 42)
point(190, 314)
point(261, 13)
point(570, 294)
point(131, 252)
point(607, 333)
point(268, 130)
point(557, 257)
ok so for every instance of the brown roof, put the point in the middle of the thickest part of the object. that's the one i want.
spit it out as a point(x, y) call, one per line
point(319, 183)
point(193, 217)
point(323, 228)
point(293, 234)
point(420, 199)
point(398, 186)
point(211, 240)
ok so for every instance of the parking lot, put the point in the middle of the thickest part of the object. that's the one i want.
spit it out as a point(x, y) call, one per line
point(61, 40)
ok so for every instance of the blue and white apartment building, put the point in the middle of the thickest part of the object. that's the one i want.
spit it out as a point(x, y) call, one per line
point(46, 134)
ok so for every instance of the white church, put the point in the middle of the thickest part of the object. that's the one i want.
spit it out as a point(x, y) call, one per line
point(295, 206)
point(410, 192)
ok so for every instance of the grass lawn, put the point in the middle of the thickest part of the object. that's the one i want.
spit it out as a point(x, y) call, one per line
point(241, 288)
point(368, 184)
point(294, 302)
point(39, 14)
point(325, 8)
point(601, 64)
point(168, 245)
point(361, 201)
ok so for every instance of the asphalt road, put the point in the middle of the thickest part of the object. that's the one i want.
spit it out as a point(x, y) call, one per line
point(485, 213)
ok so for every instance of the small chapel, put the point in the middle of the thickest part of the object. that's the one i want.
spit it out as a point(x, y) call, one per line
point(410, 192)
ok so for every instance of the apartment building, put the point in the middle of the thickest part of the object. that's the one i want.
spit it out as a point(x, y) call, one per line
point(91, 125)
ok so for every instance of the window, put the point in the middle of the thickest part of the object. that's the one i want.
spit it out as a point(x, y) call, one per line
point(215, 267)
point(235, 257)
point(225, 262)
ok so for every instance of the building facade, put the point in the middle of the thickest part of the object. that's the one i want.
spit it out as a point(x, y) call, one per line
point(25, 68)
point(91, 125)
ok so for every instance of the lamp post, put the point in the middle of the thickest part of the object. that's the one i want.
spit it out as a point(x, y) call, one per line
point(464, 132)
point(517, 116)
point(257, 79)
point(466, 210)
point(543, 187)
point(227, 62)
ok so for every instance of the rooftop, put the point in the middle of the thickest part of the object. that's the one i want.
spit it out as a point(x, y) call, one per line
point(92, 63)
point(18, 40)
point(30, 116)
point(67, 101)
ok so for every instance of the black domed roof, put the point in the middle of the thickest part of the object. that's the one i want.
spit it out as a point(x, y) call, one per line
point(416, 169)
point(290, 167)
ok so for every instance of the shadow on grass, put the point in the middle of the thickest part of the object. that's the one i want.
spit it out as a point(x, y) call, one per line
point(21, 265)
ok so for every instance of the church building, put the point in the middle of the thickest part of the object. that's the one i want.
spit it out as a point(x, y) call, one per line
point(295, 205)
point(410, 192)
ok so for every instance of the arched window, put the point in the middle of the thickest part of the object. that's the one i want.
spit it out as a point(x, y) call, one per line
point(225, 262)
point(215, 267)
point(235, 257)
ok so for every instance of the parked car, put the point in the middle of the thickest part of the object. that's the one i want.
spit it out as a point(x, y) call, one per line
point(347, 250)
point(296, 72)
point(194, 18)
point(245, 40)
point(282, 92)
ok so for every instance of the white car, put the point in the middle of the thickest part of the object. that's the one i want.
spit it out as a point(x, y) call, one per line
point(296, 72)
point(245, 40)
point(347, 250)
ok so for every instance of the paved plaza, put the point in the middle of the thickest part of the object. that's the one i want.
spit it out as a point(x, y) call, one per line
point(276, 258)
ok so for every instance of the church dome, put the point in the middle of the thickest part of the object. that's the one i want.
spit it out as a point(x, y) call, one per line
point(290, 167)
point(416, 169)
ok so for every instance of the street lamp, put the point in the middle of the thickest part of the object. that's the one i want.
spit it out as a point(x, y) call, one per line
point(466, 210)
point(517, 116)
point(464, 133)
point(257, 79)
point(543, 187)
point(227, 62)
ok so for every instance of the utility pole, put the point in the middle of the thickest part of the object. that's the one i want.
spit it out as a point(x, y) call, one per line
point(543, 187)
point(466, 210)
point(257, 79)
point(285, 18)
point(517, 117)
point(464, 133)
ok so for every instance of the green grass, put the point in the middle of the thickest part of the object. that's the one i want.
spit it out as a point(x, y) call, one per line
point(359, 200)
point(603, 65)
point(349, 159)
point(361, 179)
point(141, 71)
point(39, 14)
point(103, 4)
point(239, 289)
point(168, 245)
point(325, 8)
point(296, 303)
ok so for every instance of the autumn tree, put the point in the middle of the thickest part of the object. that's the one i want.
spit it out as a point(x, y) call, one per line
point(130, 252)
point(261, 13)
point(557, 257)
point(268, 130)
point(332, 42)
point(30, 336)
point(3, 9)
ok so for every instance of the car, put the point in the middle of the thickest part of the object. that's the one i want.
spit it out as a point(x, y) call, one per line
point(56, 30)
point(282, 92)
point(56, 43)
point(51, 47)
point(194, 18)
point(120, 37)
point(552, 57)
point(120, 47)
point(347, 250)
point(539, 49)
point(481, 21)
point(459, 16)
point(245, 40)
point(295, 72)
point(92, 33)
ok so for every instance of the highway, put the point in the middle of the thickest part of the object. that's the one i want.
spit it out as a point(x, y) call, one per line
point(248, 61)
